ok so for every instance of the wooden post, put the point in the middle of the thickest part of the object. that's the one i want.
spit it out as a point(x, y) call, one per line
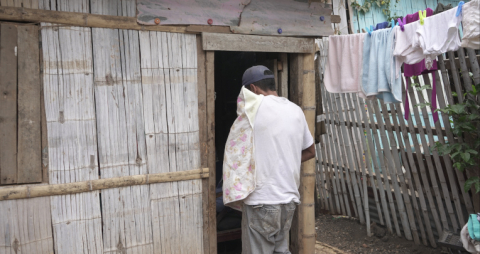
point(210, 80)
point(307, 183)
point(202, 129)
point(302, 92)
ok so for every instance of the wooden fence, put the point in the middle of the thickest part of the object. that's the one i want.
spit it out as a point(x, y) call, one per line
point(371, 155)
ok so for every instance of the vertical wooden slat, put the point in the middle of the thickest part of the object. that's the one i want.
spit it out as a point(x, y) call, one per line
point(455, 188)
point(327, 142)
point(43, 120)
point(337, 158)
point(347, 102)
point(341, 199)
point(410, 167)
point(368, 166)
point(441, 176)
point(399, 173)
point(393, 164)
point(283, 75)
point(459, 91)
point(423, 172)
point(467, 85)
point(472, 58)
point(351, 165)
point(210, 80)
point(320, 168)
point(8, 103)
point(384, 174)
point(376, 168)
point(29, 129)
point(202, 129)
point(356, 168)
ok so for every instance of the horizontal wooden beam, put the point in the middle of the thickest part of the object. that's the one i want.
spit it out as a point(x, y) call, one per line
point(32, 191)
point(256, 43)
point(356, 124)
point(103, 21)
point(81, 19)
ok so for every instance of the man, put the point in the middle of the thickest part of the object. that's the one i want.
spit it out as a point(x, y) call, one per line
point(282, 141)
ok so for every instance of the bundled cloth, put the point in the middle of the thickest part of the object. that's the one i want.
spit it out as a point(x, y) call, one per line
point(471, 25)
point(344, 66)
point(239, 177)
point(470, 234)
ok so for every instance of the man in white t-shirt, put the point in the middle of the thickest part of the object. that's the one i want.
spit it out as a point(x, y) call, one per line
point(282, 142)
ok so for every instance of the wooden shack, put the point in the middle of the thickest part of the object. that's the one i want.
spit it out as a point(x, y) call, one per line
point(108, 116)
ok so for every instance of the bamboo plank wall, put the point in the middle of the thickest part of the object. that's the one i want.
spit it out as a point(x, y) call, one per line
point(372, 155)
point(118, 103)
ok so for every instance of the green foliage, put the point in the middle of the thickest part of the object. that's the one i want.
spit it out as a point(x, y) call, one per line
point(383, 4)
point(466, 123)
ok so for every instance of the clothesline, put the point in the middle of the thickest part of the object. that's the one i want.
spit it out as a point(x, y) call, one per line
point(370, 63)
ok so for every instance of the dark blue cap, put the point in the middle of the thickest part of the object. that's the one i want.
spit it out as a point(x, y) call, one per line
point(254, 74)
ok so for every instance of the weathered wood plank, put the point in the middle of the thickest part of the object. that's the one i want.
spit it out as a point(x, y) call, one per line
point(8, 103)
point(293, 17)
point(26, 226)
point(255, 43)
point(169, 79)
point(224, 12)
point(202, 133)
point(80, 19)
point(126, 212)
point(72, 146)
point(210, 80)
point(29, 157)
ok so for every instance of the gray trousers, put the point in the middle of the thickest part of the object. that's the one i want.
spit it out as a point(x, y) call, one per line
point(265, 228)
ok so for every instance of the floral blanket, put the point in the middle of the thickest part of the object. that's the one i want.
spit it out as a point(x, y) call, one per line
point(239, 160)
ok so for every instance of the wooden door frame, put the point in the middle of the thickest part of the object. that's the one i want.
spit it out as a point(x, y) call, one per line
point(302, 92)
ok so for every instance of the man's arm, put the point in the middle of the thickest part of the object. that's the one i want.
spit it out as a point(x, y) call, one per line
point(308, 153)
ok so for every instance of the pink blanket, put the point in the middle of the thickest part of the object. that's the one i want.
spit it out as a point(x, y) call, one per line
point(343, 73)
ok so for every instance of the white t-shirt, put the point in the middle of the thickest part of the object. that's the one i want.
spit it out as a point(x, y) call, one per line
point(281, 134)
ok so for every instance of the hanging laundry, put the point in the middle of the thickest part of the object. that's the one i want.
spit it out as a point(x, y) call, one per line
point(438, 34)
point(410, 70)
point(343, 71)
point(471, 25)
point(403, 51)
point(381, 25)
point(378, 78)
point(239, 177)
point(441, 8)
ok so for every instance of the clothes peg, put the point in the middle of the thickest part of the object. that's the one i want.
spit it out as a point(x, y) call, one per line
point(402, 23)
point(393, 24)
point(459, 8)
point(369, 31)
point(422, 16)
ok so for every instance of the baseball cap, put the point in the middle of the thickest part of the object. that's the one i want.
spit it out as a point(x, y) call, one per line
point(256, 73)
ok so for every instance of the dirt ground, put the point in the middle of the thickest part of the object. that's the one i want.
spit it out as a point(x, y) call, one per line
point(349, 236)
point(341, 235)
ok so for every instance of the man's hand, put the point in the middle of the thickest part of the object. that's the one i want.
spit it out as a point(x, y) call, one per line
point(308, 153)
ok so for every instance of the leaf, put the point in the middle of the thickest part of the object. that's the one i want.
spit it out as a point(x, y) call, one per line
point(465, 156)
point(458, 108)
point(471, 151)
point(475, 180)
point(454, 94)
